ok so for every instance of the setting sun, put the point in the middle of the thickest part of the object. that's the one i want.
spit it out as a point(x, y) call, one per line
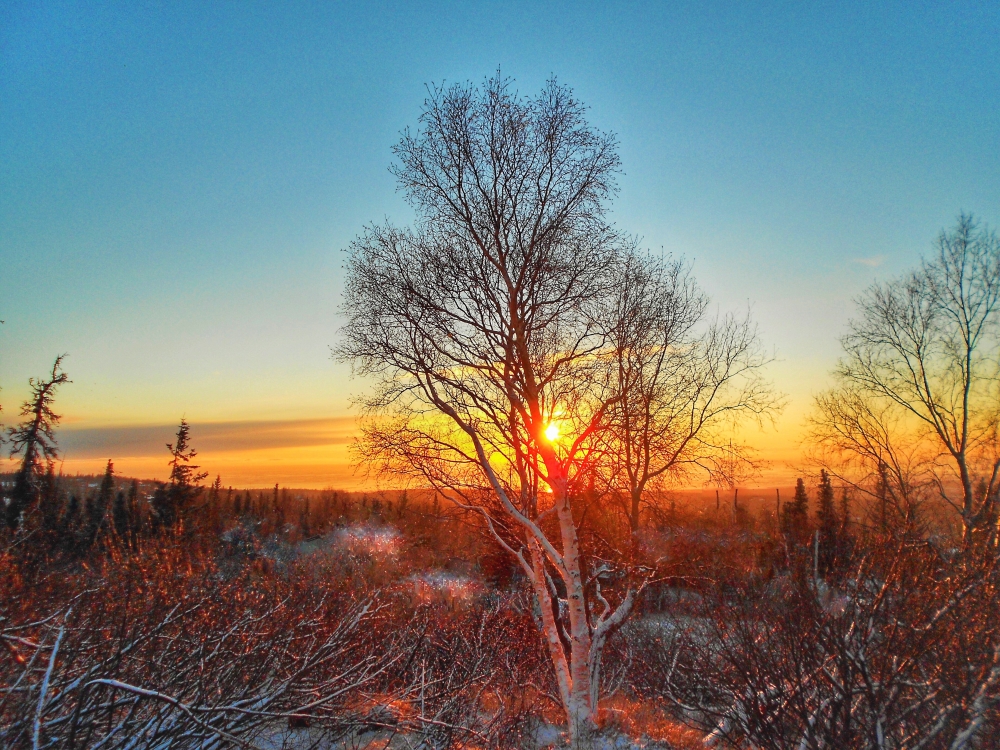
point(552, 432)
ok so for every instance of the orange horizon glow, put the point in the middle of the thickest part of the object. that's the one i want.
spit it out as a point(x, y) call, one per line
point(324, 466)
point(316, 453)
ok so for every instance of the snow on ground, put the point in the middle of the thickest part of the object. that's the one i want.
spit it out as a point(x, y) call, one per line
point(546, 737)
point(377, 541)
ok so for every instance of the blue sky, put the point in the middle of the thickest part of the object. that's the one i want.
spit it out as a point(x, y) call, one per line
point(177, 180)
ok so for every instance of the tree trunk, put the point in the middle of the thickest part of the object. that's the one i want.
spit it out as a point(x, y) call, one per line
point(578, 705)
point(550, 628)
point(581, 724)
point(579, 710)
point(635, 497)
point(572, 673)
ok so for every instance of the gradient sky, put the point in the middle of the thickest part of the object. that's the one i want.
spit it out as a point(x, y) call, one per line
point(177, 182)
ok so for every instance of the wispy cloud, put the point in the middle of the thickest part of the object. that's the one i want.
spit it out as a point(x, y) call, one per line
point(210, 437)
point(873, 262)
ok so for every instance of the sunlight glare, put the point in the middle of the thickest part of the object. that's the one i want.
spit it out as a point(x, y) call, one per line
point(552, 432)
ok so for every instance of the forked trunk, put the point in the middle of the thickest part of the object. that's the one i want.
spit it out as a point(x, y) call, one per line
point(572, 669)
point(580, 708)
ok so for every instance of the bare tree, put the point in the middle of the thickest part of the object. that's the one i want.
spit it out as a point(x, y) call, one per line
point(870, 446)
point(686, 383)
point(901, 652)
point(34, 441)
point(487, 329)
point(205, 671)
point(917, 392)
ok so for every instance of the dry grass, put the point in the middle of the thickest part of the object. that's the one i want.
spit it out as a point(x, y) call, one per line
point(639, 719)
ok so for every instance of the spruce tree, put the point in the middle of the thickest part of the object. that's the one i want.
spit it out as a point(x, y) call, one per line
point(49, 502)
point(826, 515)
point(215, 505)
point(34, 441)
point(183, 486)
point(278, 511)
point(795, 515)
point(134, 513)
point(84, 537)
point(120, 517)
point(125, 515)
point(70, 526)
point(304, 521)
point(164, 512)
point(98, 505)
point(215, 491)
point(785, 519)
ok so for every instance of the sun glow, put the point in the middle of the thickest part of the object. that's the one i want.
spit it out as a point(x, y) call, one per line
point(552, 432)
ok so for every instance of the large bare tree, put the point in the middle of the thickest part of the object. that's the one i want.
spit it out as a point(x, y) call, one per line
point(686, 382)
point(492, 332)
point(917, 398)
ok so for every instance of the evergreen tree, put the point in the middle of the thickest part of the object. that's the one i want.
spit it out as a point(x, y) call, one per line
point(183, 486)
point(125, 515)
point(786, 520)
point(84, 538)
point(215, 491)
point(304, 521)
point(120, 517)
point(70, 526)
point(49, 502)
point(34, 441)
point(845, 513)
point(279, 511)
point(98, 505)
point(800, 505)
point(828, 526)
point(164, 512)
point(795, 515)
point(134, 511)
point(215, 505)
